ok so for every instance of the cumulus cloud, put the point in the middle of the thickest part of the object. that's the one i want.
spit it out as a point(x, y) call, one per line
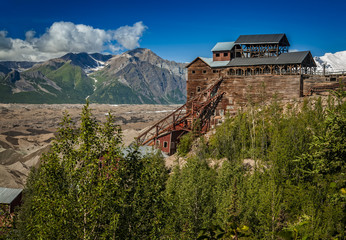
point(5, 43)
point(129, 36)
point(64, 37)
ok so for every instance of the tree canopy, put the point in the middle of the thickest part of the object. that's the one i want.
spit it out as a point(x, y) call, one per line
point(270, 172)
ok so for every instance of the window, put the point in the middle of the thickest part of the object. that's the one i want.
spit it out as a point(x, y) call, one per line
point(217, 54)
point(198, 89)
point(165, 144)
point(158, 142)
point(225, 54)
point(193, 71)
point(204, 71)
point(215, 71)
point(191, 94)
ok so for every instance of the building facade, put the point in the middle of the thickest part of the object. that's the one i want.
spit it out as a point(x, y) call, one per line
point(252, 68)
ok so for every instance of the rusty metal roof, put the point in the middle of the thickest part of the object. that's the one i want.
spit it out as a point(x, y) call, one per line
point(223, 46)
point(7, 195)
point(262, 39)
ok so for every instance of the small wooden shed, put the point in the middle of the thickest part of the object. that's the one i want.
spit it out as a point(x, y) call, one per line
point(11, 197)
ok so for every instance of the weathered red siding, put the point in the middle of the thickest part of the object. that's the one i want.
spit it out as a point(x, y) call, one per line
point(163, 139)
point(222, 56)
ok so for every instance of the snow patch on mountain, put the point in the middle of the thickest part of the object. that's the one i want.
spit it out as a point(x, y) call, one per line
point(99, 66)
point(334, 62)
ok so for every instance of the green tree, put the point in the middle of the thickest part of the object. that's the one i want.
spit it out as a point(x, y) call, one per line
point(323, 167)
point(86, 188)
point(143, 210)
point(74, 192)
point(190, 198)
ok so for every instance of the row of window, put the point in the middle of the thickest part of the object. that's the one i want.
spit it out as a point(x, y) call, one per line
point(204, 71)
point(224, 54)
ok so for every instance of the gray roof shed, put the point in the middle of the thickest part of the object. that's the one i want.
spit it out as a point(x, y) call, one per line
point(223, 46)
point(292, 57)
point(263, 39)
point(284, 58)
point(7, 195)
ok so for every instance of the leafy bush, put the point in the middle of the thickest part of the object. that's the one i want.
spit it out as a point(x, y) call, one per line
point(185, 144)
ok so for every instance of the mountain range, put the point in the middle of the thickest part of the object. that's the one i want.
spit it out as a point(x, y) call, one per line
point(136, 77)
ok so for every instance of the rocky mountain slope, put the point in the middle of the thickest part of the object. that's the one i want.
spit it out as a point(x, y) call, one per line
point(137, 76)
point(88, 62)
point(144, 76)
point(54, 81)
point(17, 65)
point(332, 61)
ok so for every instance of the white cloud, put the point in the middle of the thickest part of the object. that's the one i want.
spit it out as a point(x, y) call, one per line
point(29, 35)
point(64, 37)
point(128, 36)
point(5, 43)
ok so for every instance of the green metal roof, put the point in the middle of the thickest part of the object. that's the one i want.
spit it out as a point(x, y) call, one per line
point(223, 46)
point(7, 195)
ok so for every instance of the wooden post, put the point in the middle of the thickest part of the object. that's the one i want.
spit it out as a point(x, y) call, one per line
point(173, 121)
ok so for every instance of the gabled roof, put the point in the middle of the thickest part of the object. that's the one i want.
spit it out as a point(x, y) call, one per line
point(212, 63)
point(284, 58)
point(263, 39)
point(7, 195)
point(209, 62)
point(223, 46)
point(292, 57)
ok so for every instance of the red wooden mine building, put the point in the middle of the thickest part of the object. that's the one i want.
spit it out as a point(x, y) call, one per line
point(251, 67)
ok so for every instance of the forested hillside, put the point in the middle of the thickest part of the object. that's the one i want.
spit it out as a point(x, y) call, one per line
point(270, 172)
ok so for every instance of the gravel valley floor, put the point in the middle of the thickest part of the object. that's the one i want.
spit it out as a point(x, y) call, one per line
point(26, 131)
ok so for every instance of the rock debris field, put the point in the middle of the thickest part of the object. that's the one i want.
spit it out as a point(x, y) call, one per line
point(26, 131)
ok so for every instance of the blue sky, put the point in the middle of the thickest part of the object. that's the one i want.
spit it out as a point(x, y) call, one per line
point(182, 30)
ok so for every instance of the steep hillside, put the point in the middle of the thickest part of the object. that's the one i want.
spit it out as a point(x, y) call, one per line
point(332, 61)
point(150, 78)
point(18, 65)
point(135, 77)
point(55, 81)
point(88, 62)
point(4, 70)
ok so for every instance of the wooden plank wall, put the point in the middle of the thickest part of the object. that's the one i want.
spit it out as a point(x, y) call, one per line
point(321, 81)
point(242, 89)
